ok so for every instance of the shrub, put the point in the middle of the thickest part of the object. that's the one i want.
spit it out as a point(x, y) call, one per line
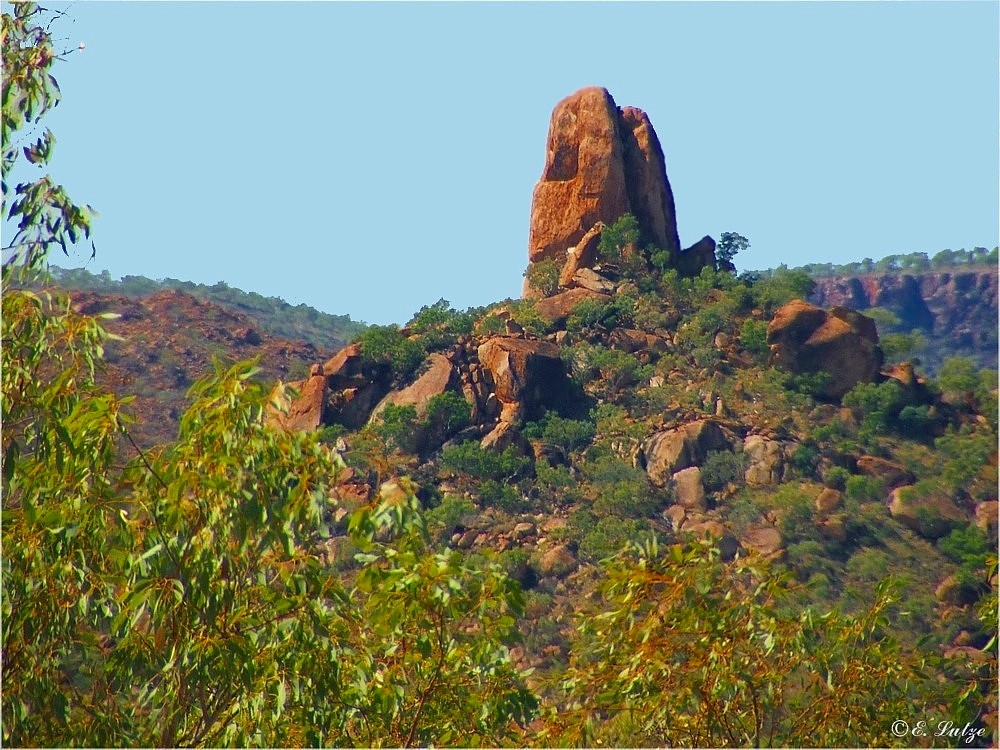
point(543, 275)
point(557, 431)
point(617, 237)
point(753, 336)
point(387, 345)
point(471, 459)
point(721, 468)
point(447, 413)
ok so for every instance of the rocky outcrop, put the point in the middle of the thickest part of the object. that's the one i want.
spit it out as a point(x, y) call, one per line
point(840, 342)
point(601, 162)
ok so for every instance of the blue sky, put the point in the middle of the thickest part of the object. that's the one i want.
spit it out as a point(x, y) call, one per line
point(371, 158)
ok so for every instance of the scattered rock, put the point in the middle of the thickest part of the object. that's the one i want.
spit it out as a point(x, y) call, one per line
point(523, 530)
point(305, 411)
point(587, 278)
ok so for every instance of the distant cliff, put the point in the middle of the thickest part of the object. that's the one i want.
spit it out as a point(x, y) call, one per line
point(955, 310)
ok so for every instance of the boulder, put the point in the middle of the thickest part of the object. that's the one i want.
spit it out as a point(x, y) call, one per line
point(601, 162)
point(669, 451)
point(305, 411)
point(765, 540)
point(587, 278)
point(828, 500)
point(841, 343)
point(931, 515)
point(438, 375)
point(555, 309)
point(986, 516)
point(688, 489)
point(528, 376)
point(558, 562)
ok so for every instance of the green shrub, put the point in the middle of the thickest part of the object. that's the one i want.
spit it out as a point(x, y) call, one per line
point(618, 236)
point(543, 275)
point(556, 431)
point(753, 337)
point(471, 459)
point(387, 345)
point(447, 413)
point(721, 468)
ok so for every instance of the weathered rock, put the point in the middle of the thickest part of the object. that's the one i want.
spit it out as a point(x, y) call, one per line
point(765, 540)
point(583, 181)
point(765, 461)
point(528, 375)
point(504, 435)
point(587, 278)
point(667, 452)
point(953, 591)
point(602, 162)
point(558, 562)
point(523, 530)
point(632, 341)
point(555, 309)
point(834, 527)
point(305, 411)
point(986, 516)
point(930, 515)
point(438, 375)
point(828, 500)
point(688, 489)
point(841, 343)
point(697, 257)
point(582, 255)
point(676, 514)
point(890, 472)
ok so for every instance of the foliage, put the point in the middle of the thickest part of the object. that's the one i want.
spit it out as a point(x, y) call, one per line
point(543, 276)
point(389, 346)
point(556, 431)
point(753, 337)
point(689, 651)
point(440, 324)
point(728, 246)
point(125, 593)
point(722, 468)
point(615, 239)
point(470, 458)
point(44, 214)
point(781, 286)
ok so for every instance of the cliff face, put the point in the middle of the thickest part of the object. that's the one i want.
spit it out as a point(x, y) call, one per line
point(955, 310)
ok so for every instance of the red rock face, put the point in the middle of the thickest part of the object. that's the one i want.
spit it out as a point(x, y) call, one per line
point(600, 163)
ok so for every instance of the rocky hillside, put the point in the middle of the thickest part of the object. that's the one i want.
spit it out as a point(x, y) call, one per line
point(167, 340)
point(955, 310)
point(638, 390)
